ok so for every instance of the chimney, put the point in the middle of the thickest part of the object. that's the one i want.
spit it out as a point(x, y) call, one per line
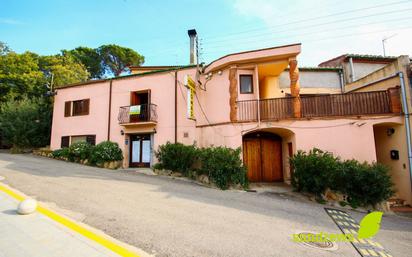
point(193, 45)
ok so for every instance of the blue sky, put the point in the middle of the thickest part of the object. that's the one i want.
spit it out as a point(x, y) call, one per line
point(158, 29)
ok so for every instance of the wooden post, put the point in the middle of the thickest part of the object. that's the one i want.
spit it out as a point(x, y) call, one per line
point(233, 94)
point(395, 99)
point(295, 87)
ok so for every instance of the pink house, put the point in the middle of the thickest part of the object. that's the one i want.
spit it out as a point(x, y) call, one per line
point(257, 100)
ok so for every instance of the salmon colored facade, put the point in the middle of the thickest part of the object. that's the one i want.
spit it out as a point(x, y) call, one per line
point(258, 100)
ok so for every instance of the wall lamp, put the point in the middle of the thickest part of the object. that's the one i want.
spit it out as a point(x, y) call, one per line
point(390, 131)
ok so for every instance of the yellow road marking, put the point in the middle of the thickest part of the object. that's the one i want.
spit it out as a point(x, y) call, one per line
point(364, 252)
point(373, 253)
point(75, 227)
point(370, 242)
point(383, 254)
point(378, 245)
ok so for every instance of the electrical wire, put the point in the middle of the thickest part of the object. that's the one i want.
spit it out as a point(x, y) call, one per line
point(315, 18)
point(254, 38)
point(329, 38)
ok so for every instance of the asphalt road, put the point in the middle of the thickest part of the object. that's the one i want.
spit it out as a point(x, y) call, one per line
point(168, 217)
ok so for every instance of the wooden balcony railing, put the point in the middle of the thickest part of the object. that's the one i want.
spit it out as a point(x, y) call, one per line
point(137, 113)
point(350, 104)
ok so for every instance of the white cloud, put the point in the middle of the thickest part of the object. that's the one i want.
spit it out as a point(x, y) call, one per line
point(10, 21)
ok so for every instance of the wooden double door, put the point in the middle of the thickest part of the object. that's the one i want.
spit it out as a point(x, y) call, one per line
point(262, 155)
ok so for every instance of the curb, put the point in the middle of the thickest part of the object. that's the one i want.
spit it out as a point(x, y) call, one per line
point(74, 226)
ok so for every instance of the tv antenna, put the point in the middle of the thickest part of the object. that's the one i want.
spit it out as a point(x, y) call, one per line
point(384, 39)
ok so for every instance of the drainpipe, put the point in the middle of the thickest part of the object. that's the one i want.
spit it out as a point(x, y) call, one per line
point(352, 70)
point(175, 106)
point(110, 110)
point(407, 125)
point(258, 94)
point(341, 82)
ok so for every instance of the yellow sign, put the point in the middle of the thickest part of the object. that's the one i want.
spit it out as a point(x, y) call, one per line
point(191, 91)
point(190, 83)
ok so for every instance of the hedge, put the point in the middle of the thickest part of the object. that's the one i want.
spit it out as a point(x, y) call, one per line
point(364, 184)
point(95, 155)
point(222, 165)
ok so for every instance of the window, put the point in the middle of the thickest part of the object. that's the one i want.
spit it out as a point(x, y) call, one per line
point(81, 107)
point(65, 142)
point(68, 140)
point(246, 84)
point(76, 139)
point(67, 109)
point(76, 108)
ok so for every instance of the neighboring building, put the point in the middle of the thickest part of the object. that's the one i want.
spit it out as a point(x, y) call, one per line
point(356, 66)
point(258, 100)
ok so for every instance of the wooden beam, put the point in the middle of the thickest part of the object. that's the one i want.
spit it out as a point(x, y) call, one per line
point(233, 93)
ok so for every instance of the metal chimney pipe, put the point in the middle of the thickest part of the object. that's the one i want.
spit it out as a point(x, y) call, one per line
point(193, 46)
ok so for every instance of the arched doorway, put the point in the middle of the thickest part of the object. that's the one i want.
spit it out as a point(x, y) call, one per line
point(262, 155)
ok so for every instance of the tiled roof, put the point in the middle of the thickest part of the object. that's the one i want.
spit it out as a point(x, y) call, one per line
point(127, 76)
point(368, 57)
point(319, 68)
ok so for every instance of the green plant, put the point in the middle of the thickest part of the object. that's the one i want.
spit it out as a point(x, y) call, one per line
point(79, 151)
point(177, 157)
point(312, 170)
point(157, 166)
point(25, 123)
point(62, 153)
point(364, 184)
point(343, 203)
point(105, 152)
point(223, 166)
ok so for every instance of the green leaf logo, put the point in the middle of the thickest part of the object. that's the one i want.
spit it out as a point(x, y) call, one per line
point(370, 225)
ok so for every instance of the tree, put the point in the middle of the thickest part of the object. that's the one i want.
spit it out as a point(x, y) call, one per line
point(26, 75)
point(64, 68)
point(90, 58)
point(4, 48)
point(20, 76)
point(25, 123)
point(116, 59)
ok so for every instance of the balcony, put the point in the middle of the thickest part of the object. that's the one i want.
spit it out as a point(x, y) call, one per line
point(138, 114)
point(335, 105)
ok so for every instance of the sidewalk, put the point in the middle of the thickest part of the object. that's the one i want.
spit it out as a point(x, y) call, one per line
point(36, 235)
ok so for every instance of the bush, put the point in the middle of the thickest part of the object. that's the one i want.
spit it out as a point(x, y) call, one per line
point(312, 171)
point(106, 151)
point(223, 166)
point(61, 153)
point(79, 151)
point(364, 184)
point(177, 157)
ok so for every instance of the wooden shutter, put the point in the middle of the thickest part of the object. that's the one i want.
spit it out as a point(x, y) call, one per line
point(67, 109)
point(65, 142)
point(86, 105)
point(91, 139)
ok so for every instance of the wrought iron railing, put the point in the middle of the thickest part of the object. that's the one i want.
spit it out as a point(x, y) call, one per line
point(137, 113)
